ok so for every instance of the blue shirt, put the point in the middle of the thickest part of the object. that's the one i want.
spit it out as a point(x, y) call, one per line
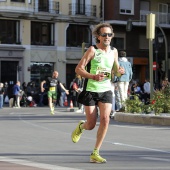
point(16, 89)
point(127, 77)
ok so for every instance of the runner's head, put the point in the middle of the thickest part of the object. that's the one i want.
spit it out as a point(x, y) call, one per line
point(55, 74)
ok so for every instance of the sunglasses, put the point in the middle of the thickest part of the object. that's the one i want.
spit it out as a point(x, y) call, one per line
point(105, 35)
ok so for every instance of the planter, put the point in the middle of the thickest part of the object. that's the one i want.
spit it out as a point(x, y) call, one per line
point(150, 119)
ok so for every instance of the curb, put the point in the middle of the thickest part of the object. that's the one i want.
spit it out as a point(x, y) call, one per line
point(148, 119)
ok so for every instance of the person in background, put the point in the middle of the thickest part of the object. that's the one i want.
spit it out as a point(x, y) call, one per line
point(1, 95)
point(123, 81)
point(24, 87)
point(62, 96)
point(98, 60)
point(146, 88)
point(42, 93)
point(16, 90)
point(79, 81)
point(6, 91)
point(138, 91)
point(165, 83)
point(52, 90)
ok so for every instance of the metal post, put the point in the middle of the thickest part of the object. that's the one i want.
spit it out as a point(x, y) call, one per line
point(151, 66)
point(103, 10)
point(156, 71)
point(166, 51)
point(150, 34)
point(83, 48)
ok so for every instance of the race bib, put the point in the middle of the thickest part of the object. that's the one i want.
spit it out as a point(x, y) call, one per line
point(106, 72)
point(52, 89)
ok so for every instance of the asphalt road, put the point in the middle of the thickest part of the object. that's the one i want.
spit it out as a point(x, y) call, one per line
point(32, 139)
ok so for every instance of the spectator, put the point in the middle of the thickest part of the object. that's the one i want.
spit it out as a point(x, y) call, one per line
point(146, 88)
point(42, 93)
point(24, 87)
point(6, 91)
point(123, 81)
point(72, 94)
point(1, 95)
point(62, 96)
point(165, 83)
point(138, 91)
point(79, 82)
point(16, 90)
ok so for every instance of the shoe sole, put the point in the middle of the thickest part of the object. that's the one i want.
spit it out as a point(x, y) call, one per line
point(94, 161)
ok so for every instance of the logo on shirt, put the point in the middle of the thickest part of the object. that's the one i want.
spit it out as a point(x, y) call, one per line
point(98, 59)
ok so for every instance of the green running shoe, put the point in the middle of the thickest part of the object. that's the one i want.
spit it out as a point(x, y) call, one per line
point(76, 134)
point(96, 158)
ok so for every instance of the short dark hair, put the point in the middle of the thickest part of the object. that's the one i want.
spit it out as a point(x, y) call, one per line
point(122, 54)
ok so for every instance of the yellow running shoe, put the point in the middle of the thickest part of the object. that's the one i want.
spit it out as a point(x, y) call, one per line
point(96, 158)
point(52, 110)
point(76, 134)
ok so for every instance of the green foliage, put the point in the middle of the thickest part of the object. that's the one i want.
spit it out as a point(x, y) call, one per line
point(160, 103)
point(133, 104)
point(157, 102)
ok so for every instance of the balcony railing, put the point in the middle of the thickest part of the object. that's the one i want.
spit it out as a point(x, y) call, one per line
point(161, 18)
point(50, 7)
point(80, 9)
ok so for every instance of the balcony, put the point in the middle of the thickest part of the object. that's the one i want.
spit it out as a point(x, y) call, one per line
point(27, 8)
point(81, 9)
point(49, 6)
point(161, 18)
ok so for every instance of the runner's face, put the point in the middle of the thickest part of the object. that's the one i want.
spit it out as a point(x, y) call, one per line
point(55, 74)
point(105, 36)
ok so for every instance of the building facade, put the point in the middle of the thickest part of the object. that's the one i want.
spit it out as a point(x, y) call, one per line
point(39, 36)
point(134, 42)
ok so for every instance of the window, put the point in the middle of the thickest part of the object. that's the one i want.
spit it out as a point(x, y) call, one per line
point(77, 34)
point(118, 42)
point(40, 71)
point(43, 5)
point(80, 7)
point(42, 33)
point(163, 13)
point(17, 0)
point(126, 6)
point(9, 33)
point(57, 7)
point(144, 10)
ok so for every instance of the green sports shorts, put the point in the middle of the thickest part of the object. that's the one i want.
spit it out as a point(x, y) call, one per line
point(52, 94)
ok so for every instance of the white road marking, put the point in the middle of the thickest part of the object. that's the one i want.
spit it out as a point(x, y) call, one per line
point(140, 127)
point(140, 147)
point(35, 164)
point(156, 159)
